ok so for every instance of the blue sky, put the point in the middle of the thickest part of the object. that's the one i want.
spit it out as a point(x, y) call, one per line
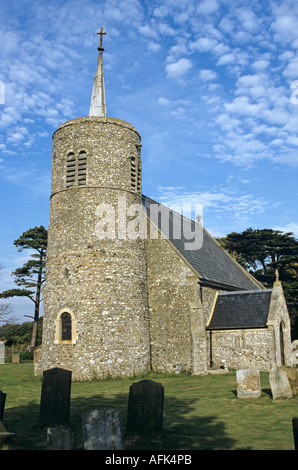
point(206, 83)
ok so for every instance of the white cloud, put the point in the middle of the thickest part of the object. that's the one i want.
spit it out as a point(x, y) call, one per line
point(164, 101)
point(291, 227)
point(161, 11)
point(166, 30)
point(223, 201)
point(226, 59)
point(154, 46)
point(147, 31)
point(179, 68)
point(291, 70)
point(207, 75)
point(248, 19)
point(260, 64)
point(204, 44)
point(242, 106)
point(206, 7)
point(285, 27)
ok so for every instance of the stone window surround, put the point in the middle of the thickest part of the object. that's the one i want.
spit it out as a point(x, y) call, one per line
point(58, 325)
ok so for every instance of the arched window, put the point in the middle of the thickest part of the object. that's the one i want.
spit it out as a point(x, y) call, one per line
point(70, 169)
point(66, 328)
point(239, 342)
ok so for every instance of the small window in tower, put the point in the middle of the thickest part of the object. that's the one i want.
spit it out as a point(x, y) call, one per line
point(82, 167)
point(139, 184)
point(65, 327)
point(76, 169)
point(133, 173)
point(70, 169)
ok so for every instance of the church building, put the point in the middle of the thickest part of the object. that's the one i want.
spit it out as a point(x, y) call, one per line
point(132, 285)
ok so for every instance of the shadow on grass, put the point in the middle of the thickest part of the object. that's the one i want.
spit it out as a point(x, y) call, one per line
point(183, 428)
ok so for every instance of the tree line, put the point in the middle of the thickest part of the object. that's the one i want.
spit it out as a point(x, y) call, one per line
point(260, 251)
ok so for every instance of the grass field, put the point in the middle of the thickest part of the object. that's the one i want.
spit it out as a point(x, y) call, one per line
point(200, 413)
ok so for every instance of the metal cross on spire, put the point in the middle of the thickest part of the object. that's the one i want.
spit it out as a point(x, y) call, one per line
point(101, 32)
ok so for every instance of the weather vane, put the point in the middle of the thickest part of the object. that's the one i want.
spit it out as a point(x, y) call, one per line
point(101, 32)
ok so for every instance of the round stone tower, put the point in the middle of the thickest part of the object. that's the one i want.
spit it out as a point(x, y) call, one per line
point(96, 319)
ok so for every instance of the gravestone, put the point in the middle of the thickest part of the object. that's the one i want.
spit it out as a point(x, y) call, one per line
point(145, 410)
point(2, 404)
point(292, 374)
point(248, 383)
point(295, 432)
point(2, 353)
point(6, 438)
point(61, 438)
point(55, 397)
point(279, 383)
point(102, 430)
point(16, 358)
point(36, 361)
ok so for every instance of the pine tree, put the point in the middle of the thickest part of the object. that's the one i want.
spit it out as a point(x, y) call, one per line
point(31, 276)
point(262, 252)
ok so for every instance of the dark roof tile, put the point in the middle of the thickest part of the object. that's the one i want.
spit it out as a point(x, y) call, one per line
point(210, 260)
point(244, 309)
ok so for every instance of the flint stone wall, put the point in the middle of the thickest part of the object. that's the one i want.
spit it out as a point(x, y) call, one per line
point(242, 349)
point(101, 282)
point(171, 298)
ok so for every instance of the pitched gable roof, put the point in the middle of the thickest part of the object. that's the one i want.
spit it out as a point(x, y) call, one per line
point(244, 309)
point(212, 263)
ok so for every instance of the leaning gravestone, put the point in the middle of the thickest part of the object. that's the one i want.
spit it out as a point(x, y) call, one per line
point(2, 404)
point(61, 438)
point(145, 410)
point(248, 383)
point(279, 383)
point(55, 397)
point(102, 430)
point(2, 353)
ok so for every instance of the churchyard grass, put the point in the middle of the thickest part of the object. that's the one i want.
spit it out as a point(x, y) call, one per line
point(199, 412)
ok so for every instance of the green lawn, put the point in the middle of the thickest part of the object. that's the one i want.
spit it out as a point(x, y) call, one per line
point(199, 412)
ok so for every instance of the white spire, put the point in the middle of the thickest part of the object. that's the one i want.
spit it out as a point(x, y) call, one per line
point(98, 100)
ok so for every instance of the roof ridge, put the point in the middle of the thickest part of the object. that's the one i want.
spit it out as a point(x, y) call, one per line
point(252, 291)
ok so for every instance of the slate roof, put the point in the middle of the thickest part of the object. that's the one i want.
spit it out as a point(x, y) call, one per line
point(210, 261)
point(244, 309)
